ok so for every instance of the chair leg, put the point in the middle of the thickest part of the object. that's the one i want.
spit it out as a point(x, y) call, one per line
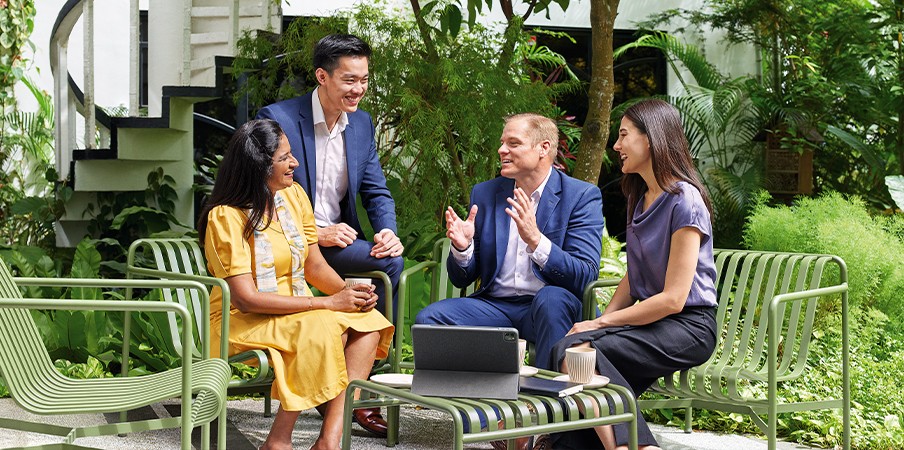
point(268, 412)
point(205, 436)
point(392, 420)
point(688, 419)
point(221, 430)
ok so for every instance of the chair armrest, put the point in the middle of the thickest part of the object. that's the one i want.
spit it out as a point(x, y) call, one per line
point(263, 362)
point(774, 310)
point(589, 300)
point(403, 309)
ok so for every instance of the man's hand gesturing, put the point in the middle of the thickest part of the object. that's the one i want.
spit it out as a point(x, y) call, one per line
point(461, 232)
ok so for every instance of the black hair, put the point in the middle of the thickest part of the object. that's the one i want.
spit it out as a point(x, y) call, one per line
point(242, 178)
point(660, 122)
point(334, 46)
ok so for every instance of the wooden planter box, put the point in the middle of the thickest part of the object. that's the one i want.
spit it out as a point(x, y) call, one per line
point(787, 171)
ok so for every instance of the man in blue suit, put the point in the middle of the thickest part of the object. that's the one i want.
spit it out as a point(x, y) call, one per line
point(532, 238)
point(334, 144)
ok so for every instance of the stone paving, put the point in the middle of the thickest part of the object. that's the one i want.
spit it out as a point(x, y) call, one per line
point(247, 428)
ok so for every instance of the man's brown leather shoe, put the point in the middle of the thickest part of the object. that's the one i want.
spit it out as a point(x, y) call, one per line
point(522, 443)
point(371, 420)
point(543, 442)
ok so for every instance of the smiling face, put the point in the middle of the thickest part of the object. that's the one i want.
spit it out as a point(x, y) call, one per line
point(521, 158)
point(342, 89)
point(633, 148)
point(284, 165)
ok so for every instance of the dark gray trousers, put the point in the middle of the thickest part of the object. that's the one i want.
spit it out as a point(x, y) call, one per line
point(636, 356)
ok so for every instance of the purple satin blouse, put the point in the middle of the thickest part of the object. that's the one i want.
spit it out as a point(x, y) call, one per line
point(649, 238)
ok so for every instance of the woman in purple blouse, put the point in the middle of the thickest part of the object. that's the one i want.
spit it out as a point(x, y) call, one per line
point(662, 316)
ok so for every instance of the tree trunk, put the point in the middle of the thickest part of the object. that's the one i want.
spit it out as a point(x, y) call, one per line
point(595, 134)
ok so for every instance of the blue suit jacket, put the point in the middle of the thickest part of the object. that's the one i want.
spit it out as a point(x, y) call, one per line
point(570, 215)
point(365, 175)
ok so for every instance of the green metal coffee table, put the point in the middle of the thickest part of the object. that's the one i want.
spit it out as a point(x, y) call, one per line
point(527, 416)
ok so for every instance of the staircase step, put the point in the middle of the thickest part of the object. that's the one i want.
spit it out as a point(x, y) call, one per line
point(149, 144)
point(78, 205)
point(122, 176)
point(93, 153)
point(217, 37)
point(223, 11)
point(210, 11)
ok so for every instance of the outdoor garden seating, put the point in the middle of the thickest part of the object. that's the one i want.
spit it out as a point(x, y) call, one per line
point(36, 385)
point(527, 416)
point(768, 303)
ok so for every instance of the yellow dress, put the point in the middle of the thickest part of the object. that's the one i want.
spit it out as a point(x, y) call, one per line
point(306, 350)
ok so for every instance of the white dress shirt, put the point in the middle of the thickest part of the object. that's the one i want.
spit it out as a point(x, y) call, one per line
point(332, 169)
point(516, 276)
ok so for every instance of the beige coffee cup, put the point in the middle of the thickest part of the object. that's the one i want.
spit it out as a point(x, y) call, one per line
point(352, 282)
point(522, 352)
point(581, 362)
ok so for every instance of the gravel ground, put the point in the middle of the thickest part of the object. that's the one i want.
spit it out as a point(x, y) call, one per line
point(420, 429)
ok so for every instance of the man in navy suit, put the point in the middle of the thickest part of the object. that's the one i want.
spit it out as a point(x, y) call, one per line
point(532, 238)
point(335, 146)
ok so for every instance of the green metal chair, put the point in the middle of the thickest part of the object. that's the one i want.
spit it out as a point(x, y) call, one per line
point(37, 387)
point(182, 259)
point(767, 308)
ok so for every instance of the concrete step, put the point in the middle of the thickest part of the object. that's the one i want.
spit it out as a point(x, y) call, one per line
point(150, 144)
point(114, 175)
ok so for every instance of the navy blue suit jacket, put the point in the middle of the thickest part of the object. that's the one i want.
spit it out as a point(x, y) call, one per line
point(365, 175)
point(570, 215)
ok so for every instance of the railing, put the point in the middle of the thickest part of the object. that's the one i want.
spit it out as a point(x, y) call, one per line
point(70, 99)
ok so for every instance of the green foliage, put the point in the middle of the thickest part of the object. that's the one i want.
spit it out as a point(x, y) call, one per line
point(873, 250)
point(833, 72)
point(118, 218)
point(437, 106)
point(16, 25)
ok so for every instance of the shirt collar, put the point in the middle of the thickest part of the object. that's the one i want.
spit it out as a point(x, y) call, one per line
point(539, 191)
point(319, 118)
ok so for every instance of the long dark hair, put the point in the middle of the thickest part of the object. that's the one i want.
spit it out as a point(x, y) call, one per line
point(242, 178)
point(669, 152)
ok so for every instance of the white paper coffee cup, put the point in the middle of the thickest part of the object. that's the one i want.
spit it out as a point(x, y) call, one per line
point(522, 352)
point(581, 362)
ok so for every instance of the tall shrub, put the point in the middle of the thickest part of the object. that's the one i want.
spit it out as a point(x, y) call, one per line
point(839, 225)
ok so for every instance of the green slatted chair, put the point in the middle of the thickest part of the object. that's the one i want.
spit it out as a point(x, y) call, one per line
point(37, 387)
point(182, 259)
point(767, 307)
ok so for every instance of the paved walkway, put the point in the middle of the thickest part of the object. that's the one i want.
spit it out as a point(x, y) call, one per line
point(420, 430)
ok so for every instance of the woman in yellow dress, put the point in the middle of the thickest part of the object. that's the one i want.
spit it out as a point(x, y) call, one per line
point(259, 235)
